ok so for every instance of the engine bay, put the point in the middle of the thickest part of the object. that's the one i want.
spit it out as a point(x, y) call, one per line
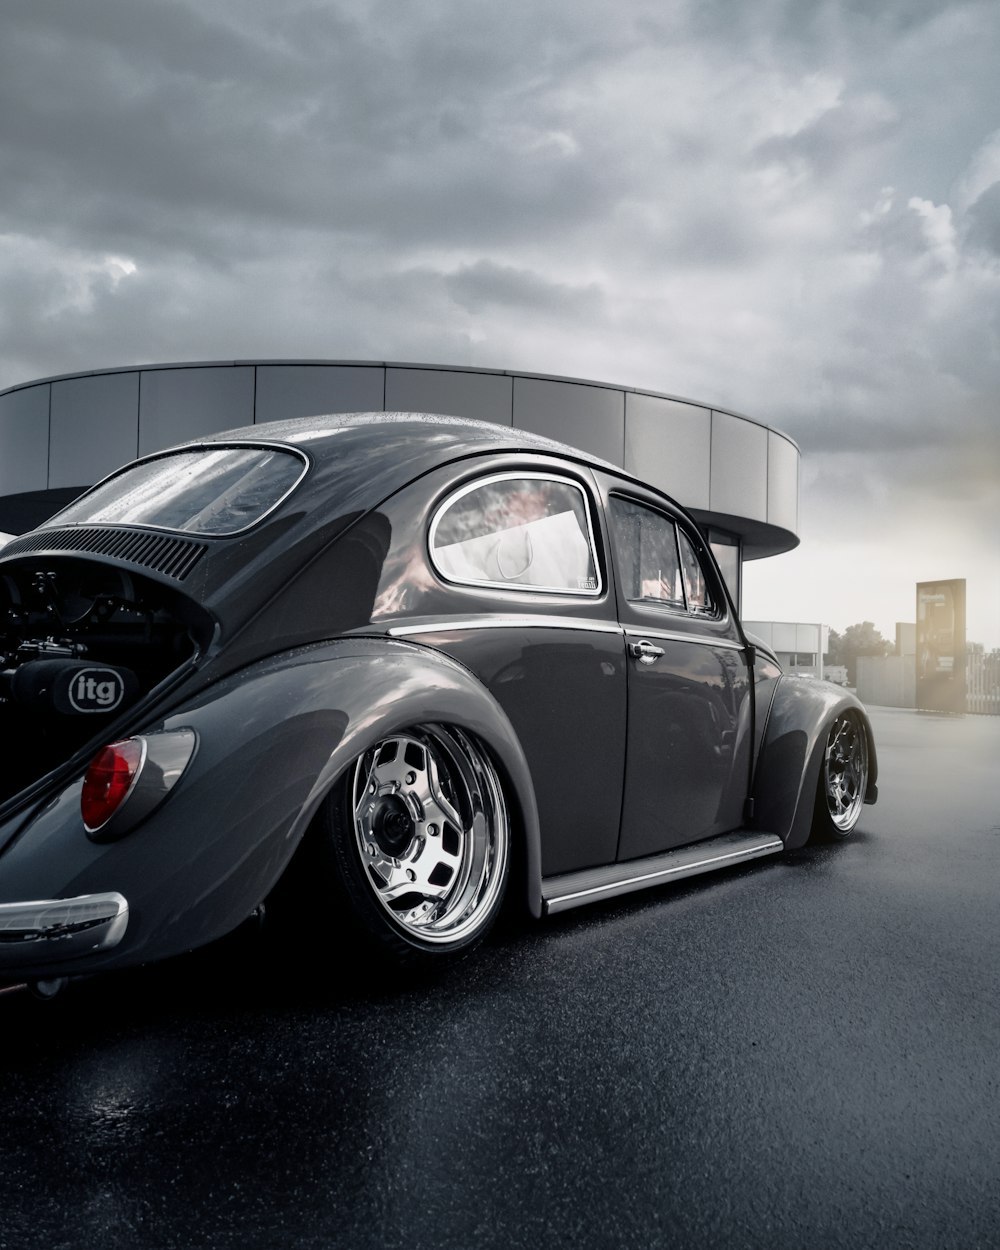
point(80, 641)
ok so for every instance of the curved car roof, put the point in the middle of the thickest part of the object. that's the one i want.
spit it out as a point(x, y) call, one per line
point(361, 458)
point(379, 433)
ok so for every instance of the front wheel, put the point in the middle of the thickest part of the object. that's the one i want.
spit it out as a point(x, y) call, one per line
point(843, 778)
point(419, 838)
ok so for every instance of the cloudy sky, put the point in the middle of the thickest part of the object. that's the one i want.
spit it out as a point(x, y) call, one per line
point(790, 208)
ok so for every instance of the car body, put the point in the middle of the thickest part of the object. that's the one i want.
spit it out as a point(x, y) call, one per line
point(390, 667)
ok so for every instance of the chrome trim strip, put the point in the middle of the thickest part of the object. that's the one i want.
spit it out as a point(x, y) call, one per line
point(673, 865)
point(446, 625)
point(707, 640)
point(51, 930)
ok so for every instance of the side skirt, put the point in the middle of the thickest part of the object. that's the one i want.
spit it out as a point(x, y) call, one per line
point(573, 889)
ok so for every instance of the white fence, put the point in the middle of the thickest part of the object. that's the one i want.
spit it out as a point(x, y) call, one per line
point(890, 681)
point(887, 681)
point(982, 683)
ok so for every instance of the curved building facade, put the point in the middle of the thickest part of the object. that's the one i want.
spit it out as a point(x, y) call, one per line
point(739, 477)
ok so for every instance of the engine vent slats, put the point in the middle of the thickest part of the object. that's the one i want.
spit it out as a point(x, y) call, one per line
point(162, 553)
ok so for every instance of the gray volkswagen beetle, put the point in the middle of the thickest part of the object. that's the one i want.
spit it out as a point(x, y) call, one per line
point(393, 667)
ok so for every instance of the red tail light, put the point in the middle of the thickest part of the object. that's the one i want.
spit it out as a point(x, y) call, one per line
point(109, 780)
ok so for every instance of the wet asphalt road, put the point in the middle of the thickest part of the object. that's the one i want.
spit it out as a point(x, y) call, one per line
point(804, 1052)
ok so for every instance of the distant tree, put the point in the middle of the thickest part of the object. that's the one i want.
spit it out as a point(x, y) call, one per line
point(863, 639)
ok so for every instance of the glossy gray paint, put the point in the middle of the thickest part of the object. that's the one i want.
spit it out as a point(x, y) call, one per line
point(801, 713)
point(279, 712)
point(564, 689)
point(273, 741)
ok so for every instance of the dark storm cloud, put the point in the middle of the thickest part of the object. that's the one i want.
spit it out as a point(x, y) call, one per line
point(127, 124)
point(484, 284)
point(754, 204)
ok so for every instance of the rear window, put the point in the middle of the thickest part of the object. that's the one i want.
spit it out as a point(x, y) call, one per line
point(518, 531)
point(215, 491)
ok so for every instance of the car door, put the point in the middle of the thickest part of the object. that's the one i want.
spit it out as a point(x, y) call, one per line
point(502, 565)
point(688, 691)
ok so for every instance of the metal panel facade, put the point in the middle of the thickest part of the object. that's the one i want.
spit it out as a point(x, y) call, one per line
point(285, 391)
point(740, 477)
point(178, 404)
point(782, 482)
point(739, 467)
point(483, 396)
point(24, 438)
point(589, 417)
point(93, 427)
point(669, 444)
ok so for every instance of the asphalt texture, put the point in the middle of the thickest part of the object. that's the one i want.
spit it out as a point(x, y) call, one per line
point(803, 1052)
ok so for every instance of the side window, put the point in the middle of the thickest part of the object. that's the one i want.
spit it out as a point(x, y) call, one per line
point(699, 597)
point(657, 562)
point(517, 531)
point(646, 549)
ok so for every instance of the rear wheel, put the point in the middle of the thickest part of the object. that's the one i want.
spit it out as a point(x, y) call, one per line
point(419, 836)
point(843, 778)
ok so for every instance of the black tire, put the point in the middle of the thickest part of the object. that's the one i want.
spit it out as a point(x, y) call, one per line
point(417, 840)
point(843, 779)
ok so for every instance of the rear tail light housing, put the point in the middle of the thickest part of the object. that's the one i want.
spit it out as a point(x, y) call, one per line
point(109, 781)
point(127, 780)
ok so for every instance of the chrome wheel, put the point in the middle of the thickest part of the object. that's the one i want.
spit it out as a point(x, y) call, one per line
point(844, 777)
point(431, 832)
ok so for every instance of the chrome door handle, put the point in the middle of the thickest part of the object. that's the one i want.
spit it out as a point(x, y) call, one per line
point(644, 651)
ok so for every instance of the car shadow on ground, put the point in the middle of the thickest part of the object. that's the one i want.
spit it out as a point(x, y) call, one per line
point(250, 972)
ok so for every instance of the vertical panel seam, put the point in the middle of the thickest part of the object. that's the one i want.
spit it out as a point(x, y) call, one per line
point(48, 442)
point(711, 459)
point(138, 415)
point(767, 479)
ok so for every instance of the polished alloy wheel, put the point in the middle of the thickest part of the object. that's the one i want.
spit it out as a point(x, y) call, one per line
point(845, 772)
point(431, 830)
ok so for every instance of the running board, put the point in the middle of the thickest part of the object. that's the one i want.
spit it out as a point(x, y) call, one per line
point(572, 889)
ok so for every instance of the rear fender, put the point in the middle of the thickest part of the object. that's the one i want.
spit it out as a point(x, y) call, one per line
point(788, 770)
point(273, 741)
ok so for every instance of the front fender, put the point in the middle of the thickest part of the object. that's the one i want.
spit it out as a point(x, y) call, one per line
point(273, 739)
point(802, 711)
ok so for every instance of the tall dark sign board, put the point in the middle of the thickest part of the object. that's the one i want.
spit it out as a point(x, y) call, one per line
point(941, 646)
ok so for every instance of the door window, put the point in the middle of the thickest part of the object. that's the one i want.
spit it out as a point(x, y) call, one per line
point(646, 547)
point(657, 562)
point(696, 591)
